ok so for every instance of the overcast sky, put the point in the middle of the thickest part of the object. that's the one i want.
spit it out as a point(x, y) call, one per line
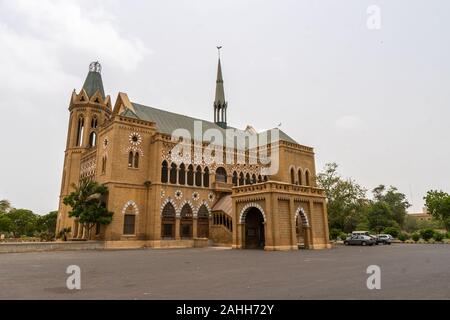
point(377, 102)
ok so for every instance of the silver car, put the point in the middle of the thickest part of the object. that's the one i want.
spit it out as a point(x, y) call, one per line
point(359, 240)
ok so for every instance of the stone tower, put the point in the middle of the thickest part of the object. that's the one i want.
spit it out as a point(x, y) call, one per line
point(89, 110)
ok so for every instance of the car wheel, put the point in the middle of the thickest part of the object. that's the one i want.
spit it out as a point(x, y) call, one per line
point(363, 243)
point(389, 243)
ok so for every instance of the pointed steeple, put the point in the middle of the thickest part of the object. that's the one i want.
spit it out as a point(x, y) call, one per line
point(220, 104)
point(94, 82)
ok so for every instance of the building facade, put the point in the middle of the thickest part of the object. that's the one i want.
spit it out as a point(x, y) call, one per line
point(171, 186)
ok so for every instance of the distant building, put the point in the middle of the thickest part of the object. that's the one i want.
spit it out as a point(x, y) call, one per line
point(421, 216)
point(162, 201)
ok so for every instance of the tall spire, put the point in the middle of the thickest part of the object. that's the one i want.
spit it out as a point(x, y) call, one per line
point(220, 104)
point(94, 82)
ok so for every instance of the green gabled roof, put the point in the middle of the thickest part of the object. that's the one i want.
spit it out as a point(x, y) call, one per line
point(167, 122)
point(93, 83)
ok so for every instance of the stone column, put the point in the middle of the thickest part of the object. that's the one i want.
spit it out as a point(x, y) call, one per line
point(294, 241)
point(177, 228)
point(195, 227)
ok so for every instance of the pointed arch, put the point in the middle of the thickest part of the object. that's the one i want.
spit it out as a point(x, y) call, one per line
point(292, 175)
point(248, 179)
point(182, 175)
point(130, 159)
point(206, 178)
point(300, 212)
point(300, 176)
point(198, 177)
point(235, 179)
point(80, 131)
point(136, 160)
point(186, 221)
point(241, 179)
point(221, 175)
point(164, 172)
point(307, 178)
point(173, 173)
point(130, 212)
point(168, 216)
point(190, 175)
point(247, 207)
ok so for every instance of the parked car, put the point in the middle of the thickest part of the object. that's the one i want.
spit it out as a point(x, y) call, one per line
point(385, 238)
point(376, 239)
point(361, 240)
point(360, 233)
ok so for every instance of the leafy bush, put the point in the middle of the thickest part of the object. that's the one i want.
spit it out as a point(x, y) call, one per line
point(393, 231)
point(427, 234)
point(343, 236)
point(438, 236)
point(334, 234)
point(403, 236)
point(447, 235)
point(415, 237)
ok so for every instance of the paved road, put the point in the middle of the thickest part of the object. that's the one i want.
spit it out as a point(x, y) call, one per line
point(407, 272)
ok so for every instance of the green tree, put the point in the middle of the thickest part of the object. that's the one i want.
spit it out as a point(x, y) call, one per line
point(395, 200)
point(47, 223)
point(380, 216)
point(5, 223)
point(46, 226)
point(5, 206)
point(346, 199)
point(438, 204)
point(88, 205)
point(23, 222)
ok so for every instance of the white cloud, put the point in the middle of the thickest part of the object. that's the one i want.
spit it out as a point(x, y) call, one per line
point(349, 122)
point(55, 28)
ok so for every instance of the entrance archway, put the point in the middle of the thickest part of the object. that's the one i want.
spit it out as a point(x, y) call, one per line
point(254, 229)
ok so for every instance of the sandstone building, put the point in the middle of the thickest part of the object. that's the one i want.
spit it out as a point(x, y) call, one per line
point(164, 200)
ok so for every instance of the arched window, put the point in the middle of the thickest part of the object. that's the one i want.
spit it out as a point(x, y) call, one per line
point(247, 179)
point(130, 159)
point(206, 178)
point(292, 176)
point(235, 179)
point(221, 175)
point(129, 221)
point(241, 179)
point(182, 175)
point(266, 178)
point(254, 179)
point(307, 178)
point(190, 175)
point(92, 139)
point(168, 222)
point(203, 222)
point(198, 177)
point(260, 179)
point(173, 173)
point(94, 123)
point(300, 177)
point(164, 172)
point(80, 130)
point(136, 160)
point(186, 222)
